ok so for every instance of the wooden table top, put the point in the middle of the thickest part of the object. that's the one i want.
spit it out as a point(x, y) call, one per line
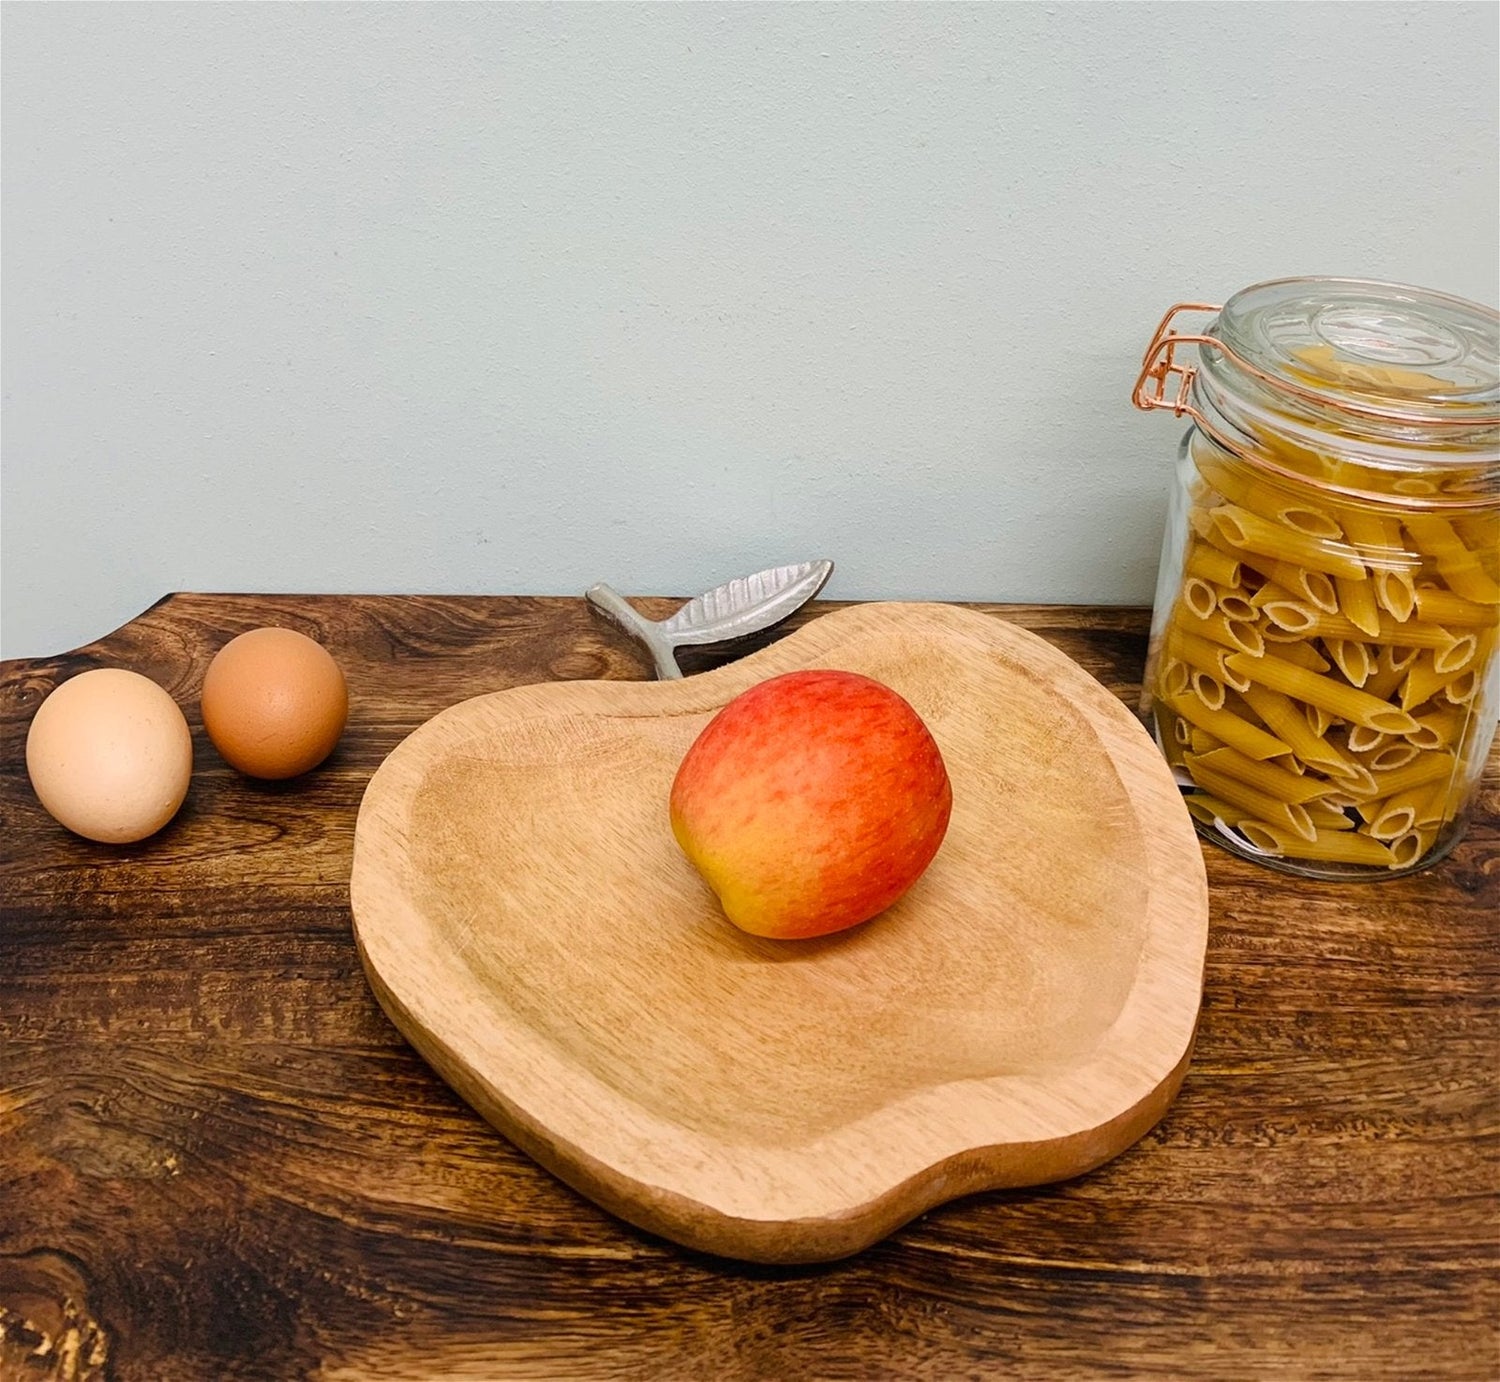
point(221, 1161)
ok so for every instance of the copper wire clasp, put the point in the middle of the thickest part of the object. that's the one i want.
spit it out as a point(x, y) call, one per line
point(1160, 363)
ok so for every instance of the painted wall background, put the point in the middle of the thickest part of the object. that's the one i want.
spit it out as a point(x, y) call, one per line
point(512, 298)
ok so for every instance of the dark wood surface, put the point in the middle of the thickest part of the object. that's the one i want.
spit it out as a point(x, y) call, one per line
point(218, 1160)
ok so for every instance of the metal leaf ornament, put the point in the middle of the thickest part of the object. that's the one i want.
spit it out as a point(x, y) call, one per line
point(734, 610)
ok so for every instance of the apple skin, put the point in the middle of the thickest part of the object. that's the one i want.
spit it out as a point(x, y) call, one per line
point(811, 802)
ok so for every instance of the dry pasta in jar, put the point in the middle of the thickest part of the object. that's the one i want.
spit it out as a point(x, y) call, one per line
point(1323, 671)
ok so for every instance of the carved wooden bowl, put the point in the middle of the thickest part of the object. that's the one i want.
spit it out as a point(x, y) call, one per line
point(1024, 1014)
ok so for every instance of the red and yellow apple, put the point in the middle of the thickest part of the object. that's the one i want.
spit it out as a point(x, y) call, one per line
point(811, 802)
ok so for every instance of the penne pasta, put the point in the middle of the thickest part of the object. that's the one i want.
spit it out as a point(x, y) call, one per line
point(1389, 673)
point(1283, 719)
point(1281, 637)
point(1267, 501)
point(1392, 756)
point(1438, 606)
point(1396, 593)
point(1326, 816)
point(1318, 718)
point(1423, 680)
point(1198, 653)
point(1260, 805)
point(1387, 822)
point(1421, 683)
point(1354, 781)
point(1341, 802)
point(1264, 777)
point(1417, 808)
point(1462, 689)
point(1233, 605)
point(1251, 533)
point(1346, 702)
point(1167, 737)
point(1361, 739)
point(1433, 807)
point(1459, 655)
point(1200, 520)
point(1176, 677)
point(1459, 567)
point(1225, 632)
point(1378, 539)
point(1228, 728)
point(1352, 659)
point(1331, 846)
point(1438, 729)
point(1200, 740)
point(1210, 810)
point(1199, 597)
point(1296, 583)
point(1209, 690)
point(1430, 767)
point(1290, 615)
point(1480, 532)
point(1411, 847)
point(1304, 654)
point(1358, 605)
point(1216, 567)
point(1412, 634)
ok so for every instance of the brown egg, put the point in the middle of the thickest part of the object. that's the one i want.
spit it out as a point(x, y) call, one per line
point(109, 755)
point(274, 703)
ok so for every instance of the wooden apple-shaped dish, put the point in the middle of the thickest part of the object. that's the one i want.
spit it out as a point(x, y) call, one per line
point(1024, 1013)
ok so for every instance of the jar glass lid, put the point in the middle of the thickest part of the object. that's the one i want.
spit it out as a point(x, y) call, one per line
point(1379, 349)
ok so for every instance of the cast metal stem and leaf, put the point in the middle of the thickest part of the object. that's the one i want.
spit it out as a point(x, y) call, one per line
point(729, 612)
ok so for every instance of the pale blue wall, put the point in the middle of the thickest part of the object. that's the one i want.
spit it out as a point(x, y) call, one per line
point(510, 298)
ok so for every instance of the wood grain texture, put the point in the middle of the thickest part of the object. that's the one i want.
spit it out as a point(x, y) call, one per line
point(221, 1161)
point(1023, 1014)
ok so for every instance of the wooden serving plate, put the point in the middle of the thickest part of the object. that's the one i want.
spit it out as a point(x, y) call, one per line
point(1024, 1014)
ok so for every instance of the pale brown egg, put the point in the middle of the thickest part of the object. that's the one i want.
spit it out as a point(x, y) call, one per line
point(109, 755)
point(274, 703)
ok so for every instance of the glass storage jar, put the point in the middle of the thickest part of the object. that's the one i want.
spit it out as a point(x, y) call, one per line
point(1322, 673)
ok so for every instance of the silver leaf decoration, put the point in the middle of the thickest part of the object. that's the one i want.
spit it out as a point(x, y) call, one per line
point(748, 604)
point(734, 610)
